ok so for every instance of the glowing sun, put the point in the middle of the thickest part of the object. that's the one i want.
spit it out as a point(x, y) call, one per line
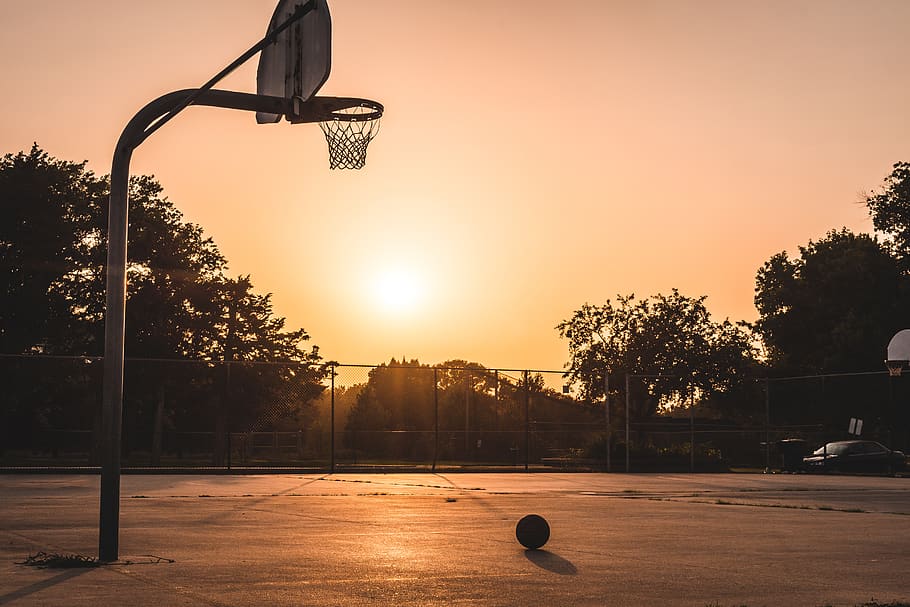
point(398, 290)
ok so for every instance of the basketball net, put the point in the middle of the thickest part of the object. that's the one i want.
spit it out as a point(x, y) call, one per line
point(895, 367)
point(348, 138)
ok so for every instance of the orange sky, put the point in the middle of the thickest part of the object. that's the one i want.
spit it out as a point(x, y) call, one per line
point(534, 156)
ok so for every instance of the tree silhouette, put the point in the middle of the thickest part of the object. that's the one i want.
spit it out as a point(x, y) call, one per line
point(47, 232)
point(181, 305)
point(393, 414)
point(666, 335)
point(890, 210)
point(832, 309)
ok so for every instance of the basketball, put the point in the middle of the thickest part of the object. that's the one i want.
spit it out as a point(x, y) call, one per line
point(532, 531)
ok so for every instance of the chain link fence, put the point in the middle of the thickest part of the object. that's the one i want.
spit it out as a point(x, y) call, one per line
point(192, 415)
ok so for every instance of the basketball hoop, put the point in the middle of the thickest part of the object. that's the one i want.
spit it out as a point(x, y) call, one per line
point(348, 134)
point(895, 367)
point(348, 123)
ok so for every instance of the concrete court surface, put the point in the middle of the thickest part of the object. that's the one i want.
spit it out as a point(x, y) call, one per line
point(448, 539)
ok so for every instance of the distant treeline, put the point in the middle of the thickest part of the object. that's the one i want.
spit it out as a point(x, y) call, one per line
point(830, 309)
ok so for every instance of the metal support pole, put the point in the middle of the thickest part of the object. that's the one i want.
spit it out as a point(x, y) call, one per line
point(115, 306)
point(228, 447)
point(767, 425)
point(114, 329)
point(891, 414)
point(226, 404)
point(435, 416)
point(607, 415)
point(691, 434)
point(527, 420)
point(628, 408)
point(332, 425)
point(467, 418)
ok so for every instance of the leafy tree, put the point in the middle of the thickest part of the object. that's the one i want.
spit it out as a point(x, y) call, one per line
point(890, 210)
point(397, 397)
point(482, 414)
point(832, 309)
point(667, 335)
point(235, 323)
point(48, 210)
point(319, 427)
point(173, 271)
point(180, 303)
point(52, 269)
point(240, 326)
point(474, 405)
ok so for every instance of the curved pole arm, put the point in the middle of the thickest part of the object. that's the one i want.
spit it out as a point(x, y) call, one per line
point(149, 118)
point(137, 130)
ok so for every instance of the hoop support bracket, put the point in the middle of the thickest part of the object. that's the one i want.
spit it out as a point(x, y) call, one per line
point(322, 109)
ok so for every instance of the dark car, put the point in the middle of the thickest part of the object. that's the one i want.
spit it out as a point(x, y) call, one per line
point(855, 456)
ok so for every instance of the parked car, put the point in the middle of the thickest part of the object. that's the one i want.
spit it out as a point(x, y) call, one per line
point(855, 456)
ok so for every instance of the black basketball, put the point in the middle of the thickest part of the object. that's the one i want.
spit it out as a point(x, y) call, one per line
point(532, 531)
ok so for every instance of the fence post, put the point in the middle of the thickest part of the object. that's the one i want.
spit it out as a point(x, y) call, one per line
point(227, 410)
point(467, 417)
point(527, 420)
point(891, 414)
point(691, 433)
point(627, 422)
point(332, 420)
point(157, 426)
point(228, 441)
point(607, 414)
point(767, 425)
point(435, 416)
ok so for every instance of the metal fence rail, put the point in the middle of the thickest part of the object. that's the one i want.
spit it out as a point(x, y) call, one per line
point(229, 415)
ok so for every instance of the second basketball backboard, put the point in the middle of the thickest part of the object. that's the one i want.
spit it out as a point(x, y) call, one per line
point(898, 353)
point(298, 63)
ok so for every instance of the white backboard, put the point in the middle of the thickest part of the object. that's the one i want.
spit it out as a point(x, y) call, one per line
point(899, 346)
point(300, 60)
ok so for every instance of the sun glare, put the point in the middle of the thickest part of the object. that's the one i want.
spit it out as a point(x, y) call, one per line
point(398, 290)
